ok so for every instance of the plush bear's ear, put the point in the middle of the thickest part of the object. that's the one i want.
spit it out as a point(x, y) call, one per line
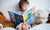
point(1, 13)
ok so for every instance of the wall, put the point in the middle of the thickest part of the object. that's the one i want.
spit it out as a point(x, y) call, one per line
point(12, 5)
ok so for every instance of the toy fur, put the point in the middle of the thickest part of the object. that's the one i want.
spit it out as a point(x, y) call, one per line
point(4, 21)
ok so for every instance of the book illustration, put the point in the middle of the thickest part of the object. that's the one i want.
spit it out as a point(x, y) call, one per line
point(30, 14)
point(16, 17)
point(12, 16)
point(25, 17)
point(19, 18)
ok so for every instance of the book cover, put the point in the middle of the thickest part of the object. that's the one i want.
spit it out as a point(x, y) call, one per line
point(28, 16)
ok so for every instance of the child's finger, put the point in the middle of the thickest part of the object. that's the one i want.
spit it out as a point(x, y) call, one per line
point(20, 24)
point(24, 23)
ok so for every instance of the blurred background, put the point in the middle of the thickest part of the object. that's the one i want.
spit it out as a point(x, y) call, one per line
point(12, 5)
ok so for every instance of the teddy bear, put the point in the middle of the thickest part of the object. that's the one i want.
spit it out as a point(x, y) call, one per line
point(2, 18)
point(4, 21)
point(41, 15)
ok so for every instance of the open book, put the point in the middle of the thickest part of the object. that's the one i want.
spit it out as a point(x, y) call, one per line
point(28, 16)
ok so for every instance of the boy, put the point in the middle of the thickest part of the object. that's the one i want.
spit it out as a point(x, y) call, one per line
point(23, 6)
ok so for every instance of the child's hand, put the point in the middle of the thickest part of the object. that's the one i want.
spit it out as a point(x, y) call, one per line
point(25, 27)
point(20, 26)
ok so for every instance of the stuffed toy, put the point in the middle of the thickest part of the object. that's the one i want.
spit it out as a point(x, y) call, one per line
point(8, 25)
point(2, 18)
point(42, 14)
point(4, 21)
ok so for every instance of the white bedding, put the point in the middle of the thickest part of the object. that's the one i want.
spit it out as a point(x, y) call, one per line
point(38, 27)
point(41, 27)
point(8, 28)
